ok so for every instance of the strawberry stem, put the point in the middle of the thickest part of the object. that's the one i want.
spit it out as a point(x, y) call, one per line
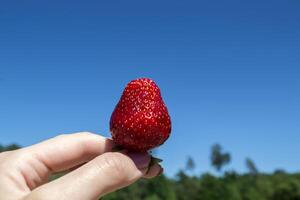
point(117, 148)
point(153, 161)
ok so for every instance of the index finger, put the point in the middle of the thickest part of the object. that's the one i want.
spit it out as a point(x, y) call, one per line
point(66, 151)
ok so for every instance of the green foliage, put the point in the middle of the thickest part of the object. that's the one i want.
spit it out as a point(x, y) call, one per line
point(186, 187)
point(218, 158)
point(9, 147)
point(287, 191)
point(231, 186)
point(190, 164)
point(154, 189)
point(251, 167)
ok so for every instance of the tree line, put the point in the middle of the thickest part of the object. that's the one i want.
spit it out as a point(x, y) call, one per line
point(227, 185)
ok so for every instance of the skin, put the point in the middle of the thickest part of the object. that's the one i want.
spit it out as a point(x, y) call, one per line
point(93, 169)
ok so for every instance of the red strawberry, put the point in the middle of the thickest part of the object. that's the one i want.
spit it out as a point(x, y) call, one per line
point(140, 120)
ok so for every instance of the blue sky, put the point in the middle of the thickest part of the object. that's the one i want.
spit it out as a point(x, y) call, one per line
point(229, 72)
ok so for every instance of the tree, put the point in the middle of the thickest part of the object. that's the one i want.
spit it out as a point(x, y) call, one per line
point(251, 167)
point(186, 187)
point(12, 147)
point(287, 191)
point(218, 158)
point(212, 187)
point(190, 164)
point(9, 147)
point(279, 171)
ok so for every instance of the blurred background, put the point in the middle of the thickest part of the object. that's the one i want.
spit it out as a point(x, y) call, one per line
point(229, 72)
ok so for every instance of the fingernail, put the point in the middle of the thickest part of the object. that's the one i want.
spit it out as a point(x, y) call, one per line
point(160, 172)
point(141, 160)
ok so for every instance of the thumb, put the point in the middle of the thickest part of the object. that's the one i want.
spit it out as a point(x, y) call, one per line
point(106, 173)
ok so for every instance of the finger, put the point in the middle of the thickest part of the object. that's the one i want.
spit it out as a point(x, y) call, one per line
point(104, 174)
point(66, 151)
point(154, 171)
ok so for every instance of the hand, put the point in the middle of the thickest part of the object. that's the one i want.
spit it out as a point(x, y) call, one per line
point(94, 170)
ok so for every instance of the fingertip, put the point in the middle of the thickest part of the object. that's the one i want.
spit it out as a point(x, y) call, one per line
point(154, 171)
point(141, 160)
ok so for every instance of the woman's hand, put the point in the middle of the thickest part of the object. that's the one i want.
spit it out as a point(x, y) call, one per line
point(94, 169)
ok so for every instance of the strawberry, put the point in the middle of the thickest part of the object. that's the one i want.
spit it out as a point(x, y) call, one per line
point(140, 120)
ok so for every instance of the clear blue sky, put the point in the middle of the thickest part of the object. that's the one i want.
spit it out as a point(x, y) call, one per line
point(229, 72)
